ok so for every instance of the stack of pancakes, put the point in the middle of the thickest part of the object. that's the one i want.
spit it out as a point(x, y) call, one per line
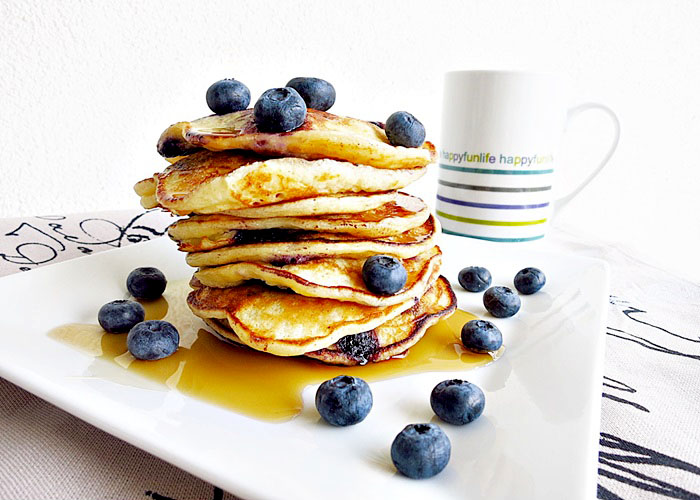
point(279, 226)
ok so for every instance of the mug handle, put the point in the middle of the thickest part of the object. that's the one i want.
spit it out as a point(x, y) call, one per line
point(573, 112)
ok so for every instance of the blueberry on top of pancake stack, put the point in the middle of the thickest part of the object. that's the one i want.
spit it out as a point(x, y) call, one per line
point(286, 206)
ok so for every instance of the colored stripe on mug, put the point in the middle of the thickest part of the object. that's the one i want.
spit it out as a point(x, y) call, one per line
point(493, 189)
point(487, 238)
point(490, 205)
point(483, 222)
point(469, 170)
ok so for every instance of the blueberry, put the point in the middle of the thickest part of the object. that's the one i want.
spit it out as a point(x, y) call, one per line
point(384, 275)
point(119, 316)
point(404, 129)
point(153, 339)
point(481, 336)
point(146, 283)
point(420, 451)
point(360, 346)
point(279, 110)
point(317, 94)
point(227, 96)
point(529, 280)
point(474, 279)
point(457, 401)
point(344, 400)
point(501, 301)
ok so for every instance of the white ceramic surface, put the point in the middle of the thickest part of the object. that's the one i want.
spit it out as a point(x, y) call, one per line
point(536, 439)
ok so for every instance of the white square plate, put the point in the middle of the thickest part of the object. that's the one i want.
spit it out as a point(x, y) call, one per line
point(536, 439)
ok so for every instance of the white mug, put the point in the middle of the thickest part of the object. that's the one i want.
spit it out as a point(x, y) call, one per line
point(499, 147)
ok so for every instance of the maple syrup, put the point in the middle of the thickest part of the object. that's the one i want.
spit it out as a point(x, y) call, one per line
point(253, 383)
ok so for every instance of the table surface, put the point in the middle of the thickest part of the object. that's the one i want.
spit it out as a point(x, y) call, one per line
point(649, 440)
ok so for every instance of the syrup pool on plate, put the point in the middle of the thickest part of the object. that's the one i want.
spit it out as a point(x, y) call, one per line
point(253, 383)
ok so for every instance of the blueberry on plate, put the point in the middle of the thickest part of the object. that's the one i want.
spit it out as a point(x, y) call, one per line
point(501, 301)
point(279, 110)
point(344, 400)
point(146, 283)
point(479, 335)
point(227, 96)
point(529, 280)
point(384, 274)
point(119, 316)
point(457, 401)
point(317, 94)
point(474, 278)
point(154, 339)
point(404, 129)
point(420, 451)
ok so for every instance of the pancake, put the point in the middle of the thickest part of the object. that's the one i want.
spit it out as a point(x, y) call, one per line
point(284, 323)
point(289, 246)
point(330, 278)
point(395, 336)
point(390, 219)
point(322, 135)
point(208, 182)
point(389, 339)
point(320, 205)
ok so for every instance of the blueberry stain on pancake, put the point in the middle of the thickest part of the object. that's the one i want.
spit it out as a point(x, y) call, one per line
point(360, 347)
point(248, 237)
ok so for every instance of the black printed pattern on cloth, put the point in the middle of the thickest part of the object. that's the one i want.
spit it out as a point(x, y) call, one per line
point(217, 495)
point(46, 239)
point(629, 466)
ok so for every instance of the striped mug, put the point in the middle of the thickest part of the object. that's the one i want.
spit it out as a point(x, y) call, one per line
point(499, 143)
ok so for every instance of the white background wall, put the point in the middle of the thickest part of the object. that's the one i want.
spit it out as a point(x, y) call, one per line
point(87, 87)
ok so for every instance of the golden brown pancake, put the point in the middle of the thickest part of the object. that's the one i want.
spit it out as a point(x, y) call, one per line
point(330, 278)
point(322, 135)
point(389, 339)
point(285, 246)
point(404, 213)
point(284, 323)
point(208, 182)
point(347, 203)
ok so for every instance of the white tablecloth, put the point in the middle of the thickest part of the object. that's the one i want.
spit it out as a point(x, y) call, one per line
point(650, 432)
